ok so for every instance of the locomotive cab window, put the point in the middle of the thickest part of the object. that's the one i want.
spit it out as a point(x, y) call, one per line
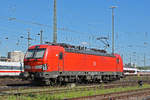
point(35, 53)
point(60, 55)
point(39, 53)
point(29, 53)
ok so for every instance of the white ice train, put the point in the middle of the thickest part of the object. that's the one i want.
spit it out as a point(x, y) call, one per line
point(135, 71)
point(144, 72)
point(130, 71)
point(11, 68)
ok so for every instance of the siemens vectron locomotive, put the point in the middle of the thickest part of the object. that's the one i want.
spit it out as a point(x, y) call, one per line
point(63, 63)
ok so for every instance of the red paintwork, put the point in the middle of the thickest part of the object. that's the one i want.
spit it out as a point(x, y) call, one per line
point(74, 61)
point(10, 71)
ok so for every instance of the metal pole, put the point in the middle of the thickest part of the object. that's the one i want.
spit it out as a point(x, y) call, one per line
point(41, 37)
point(113, 50)
point(28, 39)
point(130, 59)
point(55, 24)
point(144, 60)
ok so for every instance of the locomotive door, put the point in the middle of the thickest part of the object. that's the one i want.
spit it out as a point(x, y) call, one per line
point(61, 62)
point(118, 67)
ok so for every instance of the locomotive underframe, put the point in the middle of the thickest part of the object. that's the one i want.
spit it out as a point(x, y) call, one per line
point(67, 76)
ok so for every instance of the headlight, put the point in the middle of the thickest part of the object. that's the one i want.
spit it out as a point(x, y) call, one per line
point(44, 67)
point(27, 67)
point(38, 67)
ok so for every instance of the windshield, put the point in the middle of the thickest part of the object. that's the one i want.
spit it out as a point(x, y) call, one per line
point(35, 53)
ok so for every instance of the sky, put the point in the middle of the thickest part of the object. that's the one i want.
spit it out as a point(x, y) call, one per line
point(79, 22)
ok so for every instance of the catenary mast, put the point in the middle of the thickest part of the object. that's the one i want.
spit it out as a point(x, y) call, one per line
point(55, 24)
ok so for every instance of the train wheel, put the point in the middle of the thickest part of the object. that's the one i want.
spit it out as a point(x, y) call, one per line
point(53, 82)
point(47, 82)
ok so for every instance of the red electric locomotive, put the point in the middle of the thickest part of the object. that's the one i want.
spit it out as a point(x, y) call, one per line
point(57, 63)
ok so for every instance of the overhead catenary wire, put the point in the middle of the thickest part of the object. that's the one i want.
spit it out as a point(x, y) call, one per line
point(41, 25)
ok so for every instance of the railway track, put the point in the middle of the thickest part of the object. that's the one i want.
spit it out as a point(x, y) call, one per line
point(26, 89)
point(54, 90)
point(140, 94)
point(12, 81)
